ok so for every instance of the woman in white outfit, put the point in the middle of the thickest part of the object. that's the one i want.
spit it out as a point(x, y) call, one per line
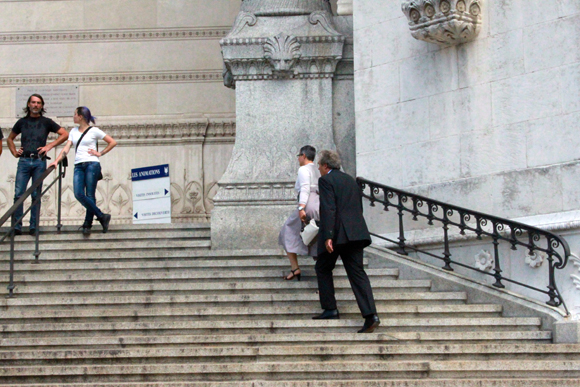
point(308, 205)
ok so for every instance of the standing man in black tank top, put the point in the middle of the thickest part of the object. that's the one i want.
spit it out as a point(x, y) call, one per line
point(34, 129)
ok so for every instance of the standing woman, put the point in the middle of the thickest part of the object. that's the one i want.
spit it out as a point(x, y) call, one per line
point(308, 205)
point(87, 166)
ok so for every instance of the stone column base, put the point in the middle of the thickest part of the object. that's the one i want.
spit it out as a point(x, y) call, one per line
point(248, 227)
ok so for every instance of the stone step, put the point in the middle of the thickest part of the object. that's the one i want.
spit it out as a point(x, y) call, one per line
point(565, 351)
point(308, 284)
point(263, 326)
point(472, 382)
point(123, 228)
point(416, 298)
point(283, 310)
point(257, 340)
point(178, 274)
point(308, 370)
point(278, 263)
point(146, 254)
point(299, 353)
point(135, 246)
point(97, 236)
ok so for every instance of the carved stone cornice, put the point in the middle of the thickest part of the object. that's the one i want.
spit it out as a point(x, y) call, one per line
point(444, 22)
point(255, 193)
point(114, 35)
point(114, 78)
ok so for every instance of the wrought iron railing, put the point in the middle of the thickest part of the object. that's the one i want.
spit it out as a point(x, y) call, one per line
point(35, 186)
point(481, 225)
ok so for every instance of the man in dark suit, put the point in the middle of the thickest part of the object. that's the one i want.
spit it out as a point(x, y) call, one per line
point(343, 232)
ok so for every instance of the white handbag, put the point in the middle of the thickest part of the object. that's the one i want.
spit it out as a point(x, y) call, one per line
point(310, 233)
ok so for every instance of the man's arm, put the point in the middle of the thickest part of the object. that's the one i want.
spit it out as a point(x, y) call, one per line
point(62, 137)
point(327, 212)
point(12, 147)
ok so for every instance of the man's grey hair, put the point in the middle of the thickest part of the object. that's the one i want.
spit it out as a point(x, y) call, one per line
point(330, 158)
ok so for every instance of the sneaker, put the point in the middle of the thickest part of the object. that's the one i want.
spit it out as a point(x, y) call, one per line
point(32, 232)
point(86, 231)
point(17, 232)
point(105, 220)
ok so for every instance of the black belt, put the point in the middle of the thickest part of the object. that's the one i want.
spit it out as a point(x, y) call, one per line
point(34, 156)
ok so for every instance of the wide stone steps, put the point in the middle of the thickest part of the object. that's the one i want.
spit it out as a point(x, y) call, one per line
point(162, 286)
point(274, 339)
point(298, 353)
point(153, 306)
point(262, 326)
point(472, 382)
point(286, 310)
point(413, 298)
point(307, 370)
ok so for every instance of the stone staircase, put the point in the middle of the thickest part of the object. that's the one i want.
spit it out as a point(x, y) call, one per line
point(152, 306)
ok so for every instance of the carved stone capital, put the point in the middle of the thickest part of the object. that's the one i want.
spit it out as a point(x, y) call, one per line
point(444, 22)
point(259, 47)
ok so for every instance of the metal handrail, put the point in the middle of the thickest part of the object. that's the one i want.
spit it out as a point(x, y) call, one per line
point(35, 186)
point(517, 234)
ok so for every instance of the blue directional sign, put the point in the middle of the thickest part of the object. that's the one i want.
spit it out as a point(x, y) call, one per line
point(151, 194)
point(147, 173)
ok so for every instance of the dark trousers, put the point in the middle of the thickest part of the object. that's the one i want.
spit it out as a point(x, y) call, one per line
point(85, 181)
point(352, 258)
point(28, 169)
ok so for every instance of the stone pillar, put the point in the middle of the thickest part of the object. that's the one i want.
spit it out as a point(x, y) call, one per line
point(344, 7)
point(280, 56)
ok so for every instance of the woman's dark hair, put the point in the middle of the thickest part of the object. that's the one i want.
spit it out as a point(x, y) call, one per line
point(308, 151)
point(84, 112)
point(27, 109)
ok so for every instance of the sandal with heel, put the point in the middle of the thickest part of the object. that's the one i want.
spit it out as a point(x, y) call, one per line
point(293, 275)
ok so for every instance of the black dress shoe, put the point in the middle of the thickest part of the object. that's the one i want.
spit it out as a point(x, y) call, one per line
point(105, 220)
point(371, 323)
point(328, 314)
point(32, 232)
point(17, 232)
point(86, 231)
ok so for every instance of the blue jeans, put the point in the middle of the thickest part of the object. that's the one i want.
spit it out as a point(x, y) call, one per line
point(28, 168)
point(85, 185)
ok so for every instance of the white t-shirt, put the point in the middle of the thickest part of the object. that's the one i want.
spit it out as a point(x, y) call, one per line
point(89, 142)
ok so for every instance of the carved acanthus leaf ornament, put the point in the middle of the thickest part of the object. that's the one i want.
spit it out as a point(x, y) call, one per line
point(444, 22)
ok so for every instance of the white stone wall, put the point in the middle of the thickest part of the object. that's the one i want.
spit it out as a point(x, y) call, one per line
point(150, 71)
point(490, 125)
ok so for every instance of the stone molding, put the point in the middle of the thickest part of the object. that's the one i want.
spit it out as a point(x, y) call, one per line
point(284, 7)
point(255, 193)
point(153, 132)
point(344, 7)
point(114, 78)
point(444, 22)
point(114, 35)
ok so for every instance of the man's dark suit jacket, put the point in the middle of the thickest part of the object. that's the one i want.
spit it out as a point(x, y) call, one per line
point(341, 213)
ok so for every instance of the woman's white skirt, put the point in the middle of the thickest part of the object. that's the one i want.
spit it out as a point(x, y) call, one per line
point(289, 237)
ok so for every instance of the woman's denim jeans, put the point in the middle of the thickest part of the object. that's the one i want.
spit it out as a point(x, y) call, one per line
point(85, 186)
point(28, 168)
